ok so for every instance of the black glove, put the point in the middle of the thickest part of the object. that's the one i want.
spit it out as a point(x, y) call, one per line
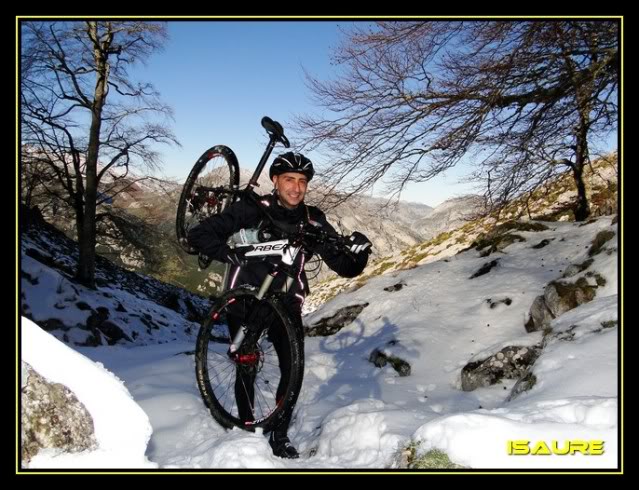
point(235, 257)
point(358, 243)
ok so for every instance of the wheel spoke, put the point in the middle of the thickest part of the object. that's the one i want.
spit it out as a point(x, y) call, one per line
point(207, 191)
point(254, 374)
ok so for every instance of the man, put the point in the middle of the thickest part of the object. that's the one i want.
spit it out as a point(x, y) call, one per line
point(290, 173)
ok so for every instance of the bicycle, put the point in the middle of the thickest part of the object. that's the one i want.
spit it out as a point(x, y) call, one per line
point(249, 358)
point(213, 184)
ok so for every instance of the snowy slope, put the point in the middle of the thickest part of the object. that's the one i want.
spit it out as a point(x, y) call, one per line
point(122, 429)
point(352, 414)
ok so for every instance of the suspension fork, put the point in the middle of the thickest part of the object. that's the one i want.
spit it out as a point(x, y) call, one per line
point(288, 258)
point(266, 285)
point(241, 333)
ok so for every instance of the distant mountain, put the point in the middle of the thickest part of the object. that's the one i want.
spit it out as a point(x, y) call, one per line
point(396, 226)
point(449, 215)
point(391, 227)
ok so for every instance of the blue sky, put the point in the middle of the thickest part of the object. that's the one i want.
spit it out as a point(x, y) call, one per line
point(221, 77)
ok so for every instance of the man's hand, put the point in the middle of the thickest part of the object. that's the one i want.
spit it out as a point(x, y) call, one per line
point(358, 243)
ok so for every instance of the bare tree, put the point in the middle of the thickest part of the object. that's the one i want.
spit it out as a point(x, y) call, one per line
point(524, 100)
point(82, 114)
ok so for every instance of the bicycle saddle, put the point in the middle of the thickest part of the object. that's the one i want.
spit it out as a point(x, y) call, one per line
point(275, 129)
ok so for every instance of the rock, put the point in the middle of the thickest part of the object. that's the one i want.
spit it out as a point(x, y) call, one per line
point(561, 297)
point(113, 332)
point(574, 269)
point(485, 269)
point(52, 324)
point(495, 304)
point(540, 316)
point(52, 417)
point(600, 240)
point(542, 244)
point(333, 324)
point(525, 383)
point(380, 360)
point(509, 363)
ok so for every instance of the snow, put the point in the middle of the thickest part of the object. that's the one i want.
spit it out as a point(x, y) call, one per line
point(480, 440)
point(54, 296)
point(351, 414)
point(122, 428)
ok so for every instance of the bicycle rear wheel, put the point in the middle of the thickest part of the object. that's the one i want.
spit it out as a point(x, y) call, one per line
point(207, 190)
point(258, 385)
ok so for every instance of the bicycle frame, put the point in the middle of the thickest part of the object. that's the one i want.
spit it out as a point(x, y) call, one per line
point(288, 253)
point(276, 134)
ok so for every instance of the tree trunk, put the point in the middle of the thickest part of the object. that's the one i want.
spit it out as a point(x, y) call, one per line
point(86, 232)
point(582, 209)
point(86, 235)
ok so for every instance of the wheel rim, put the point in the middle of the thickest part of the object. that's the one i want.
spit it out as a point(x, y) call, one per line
point(246, 386)
point(209, 193)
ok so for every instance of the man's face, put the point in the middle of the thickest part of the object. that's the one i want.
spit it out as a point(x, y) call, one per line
point(291, 188)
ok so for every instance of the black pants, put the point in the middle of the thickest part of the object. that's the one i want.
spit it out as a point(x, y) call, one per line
point(245, 375)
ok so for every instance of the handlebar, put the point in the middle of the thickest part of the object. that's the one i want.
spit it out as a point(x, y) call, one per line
point(305, 234)
point(308, 240)
point(322, 236)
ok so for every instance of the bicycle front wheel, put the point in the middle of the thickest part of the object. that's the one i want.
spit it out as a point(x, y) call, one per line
point(208, 190)
point(258, 385)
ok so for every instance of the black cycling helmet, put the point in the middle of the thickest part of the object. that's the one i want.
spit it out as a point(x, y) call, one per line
point(292, 162)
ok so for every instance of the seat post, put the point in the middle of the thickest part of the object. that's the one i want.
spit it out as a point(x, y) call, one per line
point(260, 166)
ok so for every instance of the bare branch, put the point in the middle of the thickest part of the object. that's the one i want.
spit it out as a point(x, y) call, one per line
point(71, 124)
point(416, 98)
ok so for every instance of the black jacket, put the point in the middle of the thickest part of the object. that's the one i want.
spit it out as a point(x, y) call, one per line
point(211, 235)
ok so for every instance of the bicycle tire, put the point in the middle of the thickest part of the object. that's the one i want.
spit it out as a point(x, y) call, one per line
point(220, 378)
point(217, 167)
